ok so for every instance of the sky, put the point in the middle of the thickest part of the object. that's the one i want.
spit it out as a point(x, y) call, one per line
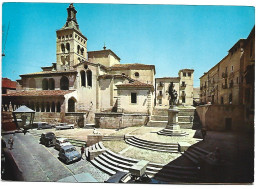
point(171, 37)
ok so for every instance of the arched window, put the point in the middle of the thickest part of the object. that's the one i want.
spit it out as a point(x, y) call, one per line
point(47, 107)
point(32, 83)
point(45, 84)
point(82, 51)
point(58, 107)
point(83, 78)
point(64, 83)
point(89, 78)
point(52, 107)
point(51, 84)
point(71, 105)
point(62, 48)
point(78, 49)
point(68, 47)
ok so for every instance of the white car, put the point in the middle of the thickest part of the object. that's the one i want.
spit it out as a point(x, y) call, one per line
point(64, 126)
point(60, 142)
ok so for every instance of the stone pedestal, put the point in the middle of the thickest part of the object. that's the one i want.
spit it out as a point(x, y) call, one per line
point(94, 138)
point(172, 128)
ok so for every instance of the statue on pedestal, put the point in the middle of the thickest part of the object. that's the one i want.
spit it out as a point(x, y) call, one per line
point(172, 95)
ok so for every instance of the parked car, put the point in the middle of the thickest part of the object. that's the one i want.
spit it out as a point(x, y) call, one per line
point(59, 142)
point(69, 154)
point(48, 139)
point(64, 126)
point(44, 125)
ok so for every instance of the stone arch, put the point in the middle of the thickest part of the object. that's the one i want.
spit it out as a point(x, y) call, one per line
point(37, 107)
point(64, 83)
point(83, 78)
point(45, 84)
point(71, 104)
point(32, 83)
point(53, 107)
point(89, 78)
point(42, 107)
point(58, 107)
point(51, 84)
point(48, 107)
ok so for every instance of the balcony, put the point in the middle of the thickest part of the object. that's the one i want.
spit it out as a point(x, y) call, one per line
point(224, 75)
point(224, 86)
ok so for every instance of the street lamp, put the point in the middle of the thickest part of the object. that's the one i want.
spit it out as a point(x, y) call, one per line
point(23, 117)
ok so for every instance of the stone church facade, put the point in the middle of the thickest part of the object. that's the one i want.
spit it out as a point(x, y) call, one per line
point(93, 85)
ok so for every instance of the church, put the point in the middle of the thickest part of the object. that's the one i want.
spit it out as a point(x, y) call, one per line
point(89, 87)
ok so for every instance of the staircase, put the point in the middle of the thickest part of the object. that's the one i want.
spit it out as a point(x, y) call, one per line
point(113, 138)
point(194, 153)
point(159, 117)
point(154, 146)
point(110, 162)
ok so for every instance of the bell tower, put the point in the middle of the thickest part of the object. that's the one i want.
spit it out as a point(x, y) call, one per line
point(71, 44)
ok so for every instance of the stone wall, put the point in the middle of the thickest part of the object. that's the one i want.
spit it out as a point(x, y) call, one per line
point(119, 120)
point(214, 117)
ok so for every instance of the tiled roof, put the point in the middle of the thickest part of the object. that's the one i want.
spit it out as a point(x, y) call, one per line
point(135, 84)
point(132, 66)
point(106, 51)
point(40, 93)
point(48, 72)
point(7, 83)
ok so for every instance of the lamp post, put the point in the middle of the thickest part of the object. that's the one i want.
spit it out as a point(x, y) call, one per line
point(23, 117)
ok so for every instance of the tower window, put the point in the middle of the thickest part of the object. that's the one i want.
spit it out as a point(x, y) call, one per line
point(184, 74)
point(189, 74)
point(83, 78)
point(68, 47)
point(82, 51)
point(78, 49)
point(62, 48)
point(133, 98)
point(70, 35)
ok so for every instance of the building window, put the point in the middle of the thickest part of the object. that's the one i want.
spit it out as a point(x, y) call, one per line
point(160, 101)
point(136, 74)
point(183, 99)
point(70, 35)
point(222, 100)
point(86, 66)
point(64, 83)
point(133, 98)
point(89, 78)
point(71, 105)
point(51, 84)
point(47, 107)
point(83, 78)
point(183, 84)
point(52, 107)
point(160, 93)
point(82, 51)
point(68, 47)
point(62, 48)
point(230, 98)
point(189, 74)
point(78, 49)
point(184, 74)
point(232, 68)
point(45, 84)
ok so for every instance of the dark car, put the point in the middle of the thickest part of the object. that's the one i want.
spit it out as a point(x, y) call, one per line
point(48, 139)
point(69, 154)
point(44, 125)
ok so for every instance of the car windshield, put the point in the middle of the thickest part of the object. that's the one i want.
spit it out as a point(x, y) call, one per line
point(70, 150)
point(49, 134)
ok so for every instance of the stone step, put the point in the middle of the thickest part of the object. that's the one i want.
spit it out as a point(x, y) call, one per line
point(157, 123)
point(168, 132)
point(114, 164)
point(107, 165)
point(101, 167)
point(160, 149)
point(155, 143)
point(117, 159)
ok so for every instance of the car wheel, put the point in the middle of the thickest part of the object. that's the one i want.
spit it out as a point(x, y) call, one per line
point(71, 127)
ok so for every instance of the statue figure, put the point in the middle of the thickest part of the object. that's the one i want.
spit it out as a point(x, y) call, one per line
point(172, 95)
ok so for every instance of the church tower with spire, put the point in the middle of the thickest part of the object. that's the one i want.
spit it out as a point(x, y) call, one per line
point(71, 44)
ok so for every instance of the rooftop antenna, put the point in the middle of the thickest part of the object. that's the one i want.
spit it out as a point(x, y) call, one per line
point(3, 54)
point(104, 46)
